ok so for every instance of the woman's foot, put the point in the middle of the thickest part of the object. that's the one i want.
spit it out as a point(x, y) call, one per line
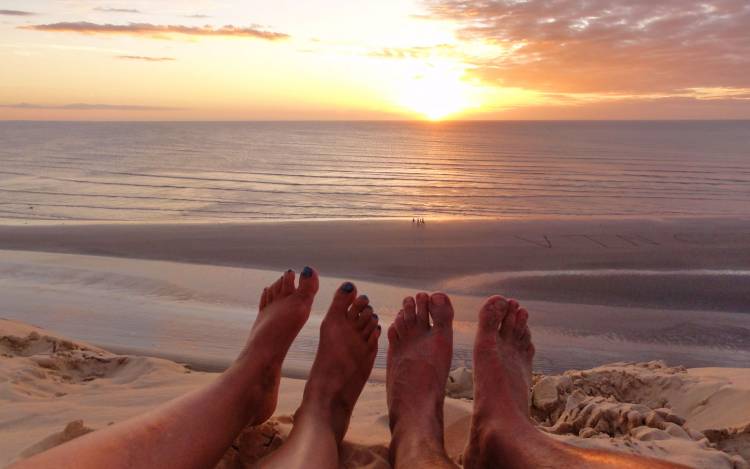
point(346, 353)
point(284, 309)
point(419, 359)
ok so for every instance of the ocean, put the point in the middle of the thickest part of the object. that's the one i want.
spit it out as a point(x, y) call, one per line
point(241, 171)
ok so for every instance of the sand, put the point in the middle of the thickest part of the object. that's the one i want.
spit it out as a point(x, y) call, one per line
point(54, 389)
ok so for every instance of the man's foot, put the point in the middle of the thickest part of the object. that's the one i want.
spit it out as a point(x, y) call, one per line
point(419, 359)
point(346, 353)
point(283, 311)
point(502, 433)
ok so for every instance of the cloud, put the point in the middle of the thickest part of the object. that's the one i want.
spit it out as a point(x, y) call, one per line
point(155, 30)
point(198, 15)
point(116, 10)
point(89, 107)
point(638, 46)
point(16, 13)
point(145, 58)
point(418, 52)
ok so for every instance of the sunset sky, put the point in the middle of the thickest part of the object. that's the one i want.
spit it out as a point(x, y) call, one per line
point(384, 59)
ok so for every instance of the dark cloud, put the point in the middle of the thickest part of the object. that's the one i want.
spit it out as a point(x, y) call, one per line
point(155, 30)
point(145, 58)
point(634, 46)
point(16, 13)
point(88, 107)
point(116, 10)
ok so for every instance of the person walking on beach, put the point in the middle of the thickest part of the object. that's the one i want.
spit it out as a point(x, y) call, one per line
point(195, 430)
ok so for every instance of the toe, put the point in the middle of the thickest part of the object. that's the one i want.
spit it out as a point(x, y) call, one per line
point(492, 314)
point(369, 327)
point(423, 310)
point(356, 309)
point(287, 283)
point(410, 312)
point(308, 282)
point(392, 334)
point(522, 318)
point(263, 299)
point(507, 329)
point(365, 316)
point(343, 298)
point(441, 310)
point(400, 324)
point(276, 287)
point(372, 340)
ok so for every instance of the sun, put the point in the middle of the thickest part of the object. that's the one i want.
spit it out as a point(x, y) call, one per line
point(437, 93)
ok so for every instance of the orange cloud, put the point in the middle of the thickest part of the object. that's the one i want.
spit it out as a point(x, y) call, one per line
point(603, 46)
point(145, 58)
point(155, 30)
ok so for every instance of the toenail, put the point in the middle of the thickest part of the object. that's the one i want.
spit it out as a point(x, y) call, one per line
point(307, 272)
point(364, 298)
point(348, 287)
point(438, 299)
point(290, 271)
point(375, 316)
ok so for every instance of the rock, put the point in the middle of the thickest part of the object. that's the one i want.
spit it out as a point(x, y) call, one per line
point(460, 384)
point(545, 396)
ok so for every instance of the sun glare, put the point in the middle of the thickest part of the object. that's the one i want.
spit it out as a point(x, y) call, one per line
point(437, 94)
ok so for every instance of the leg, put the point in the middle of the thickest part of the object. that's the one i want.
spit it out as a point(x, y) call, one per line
point(502, 434)
point(195, 430)
point(419, 359)
point(348, 345)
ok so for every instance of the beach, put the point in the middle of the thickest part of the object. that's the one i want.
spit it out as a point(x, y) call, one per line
point(668, 294)
point(600, 291)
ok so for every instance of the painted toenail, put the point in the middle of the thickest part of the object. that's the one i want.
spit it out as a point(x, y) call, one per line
point(375, 316)
point(307, 272)
point(348, 287)
point(290, 271)
point(438, 299)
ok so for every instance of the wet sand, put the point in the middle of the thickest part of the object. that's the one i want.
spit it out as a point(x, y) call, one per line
point(676, 263)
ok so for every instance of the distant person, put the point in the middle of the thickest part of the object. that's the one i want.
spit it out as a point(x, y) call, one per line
point(195, 430)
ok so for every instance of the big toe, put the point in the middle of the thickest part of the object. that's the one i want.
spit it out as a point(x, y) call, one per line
point(441, 310)
point(491, 314)
point(342, 299)
point(308, 282)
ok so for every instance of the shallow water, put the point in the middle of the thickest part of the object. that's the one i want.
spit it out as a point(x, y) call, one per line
point(290, 170)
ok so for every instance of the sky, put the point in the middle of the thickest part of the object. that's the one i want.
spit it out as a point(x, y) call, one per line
point(384, 59)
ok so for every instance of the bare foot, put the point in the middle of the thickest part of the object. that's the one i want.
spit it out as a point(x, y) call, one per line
point(346, 353)
point(283, 311)
point(419, 359)
point(502, 376)
point(502, 433)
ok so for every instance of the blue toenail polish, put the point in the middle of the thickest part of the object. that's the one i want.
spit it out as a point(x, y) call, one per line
point(375, 316)
point(307, 272)
point(348, 287)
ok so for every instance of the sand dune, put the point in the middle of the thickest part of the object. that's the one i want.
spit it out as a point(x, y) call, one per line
point(53, 390)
